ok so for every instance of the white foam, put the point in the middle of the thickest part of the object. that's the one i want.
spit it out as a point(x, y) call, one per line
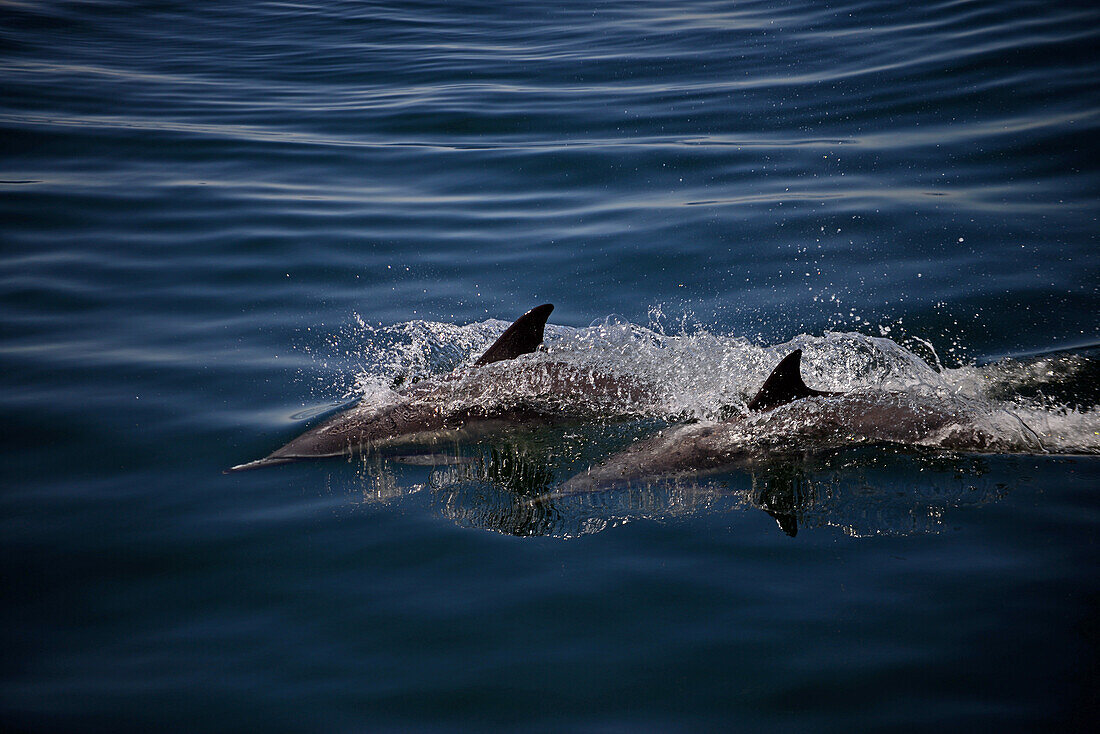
point(711, 376)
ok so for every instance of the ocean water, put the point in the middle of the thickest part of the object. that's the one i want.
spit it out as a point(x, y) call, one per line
point(220, 221)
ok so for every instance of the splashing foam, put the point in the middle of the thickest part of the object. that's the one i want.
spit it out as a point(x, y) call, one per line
point(616, 369)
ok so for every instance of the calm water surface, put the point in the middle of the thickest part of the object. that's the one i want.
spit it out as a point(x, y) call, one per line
point(222, 219)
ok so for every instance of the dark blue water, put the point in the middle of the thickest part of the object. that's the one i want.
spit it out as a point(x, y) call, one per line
point(219, 219)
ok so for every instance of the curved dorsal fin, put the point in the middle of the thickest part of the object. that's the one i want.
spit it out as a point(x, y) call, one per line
point(522, 337)
point(784, 385)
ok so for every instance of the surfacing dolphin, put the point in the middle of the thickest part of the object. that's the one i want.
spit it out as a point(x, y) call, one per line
point(787, 419)
point(496, 392)
point(415, 412)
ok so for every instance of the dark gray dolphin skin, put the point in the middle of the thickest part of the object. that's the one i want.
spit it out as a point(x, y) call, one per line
point(784, 385)
point(419, 411)
point(786, 418)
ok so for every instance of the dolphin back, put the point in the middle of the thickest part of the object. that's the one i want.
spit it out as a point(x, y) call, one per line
point(415, 412)
point(522, 337)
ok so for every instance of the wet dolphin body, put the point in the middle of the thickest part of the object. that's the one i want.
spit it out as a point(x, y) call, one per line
point(786, 418)
point(414, 413)
point(486, 397)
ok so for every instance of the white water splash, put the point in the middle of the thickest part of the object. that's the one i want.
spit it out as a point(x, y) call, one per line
point(707, 376)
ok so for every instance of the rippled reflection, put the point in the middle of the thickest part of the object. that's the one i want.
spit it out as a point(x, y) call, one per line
point(514, 487)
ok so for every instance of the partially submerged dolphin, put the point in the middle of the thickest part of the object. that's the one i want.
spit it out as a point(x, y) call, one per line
point(787, 418)
point(495, 393)
point(414, 412)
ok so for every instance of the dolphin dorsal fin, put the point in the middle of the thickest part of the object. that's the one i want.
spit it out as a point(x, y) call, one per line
point(522, 337)
point(784, 385)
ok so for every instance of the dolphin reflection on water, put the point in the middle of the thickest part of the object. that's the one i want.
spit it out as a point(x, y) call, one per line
point(508, 485)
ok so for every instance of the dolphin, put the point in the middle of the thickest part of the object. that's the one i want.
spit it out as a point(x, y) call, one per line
point(498, 391)
point(414, 412)
point(786, 418)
